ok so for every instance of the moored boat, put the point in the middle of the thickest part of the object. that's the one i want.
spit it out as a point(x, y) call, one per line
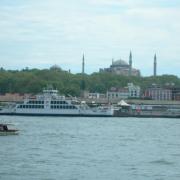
point(4, 130)
point(50, 103)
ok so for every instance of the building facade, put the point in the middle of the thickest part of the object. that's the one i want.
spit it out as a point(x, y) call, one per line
point(158, 93)
point(134, 91)
point(175, 94)
point(13, 97)
point(118, 93)
point(131, 91)
point(96, 96)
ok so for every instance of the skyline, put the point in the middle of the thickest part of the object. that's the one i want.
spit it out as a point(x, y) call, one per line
point(41, 34)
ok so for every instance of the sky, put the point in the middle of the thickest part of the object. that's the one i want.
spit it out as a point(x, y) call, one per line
point(40, 34)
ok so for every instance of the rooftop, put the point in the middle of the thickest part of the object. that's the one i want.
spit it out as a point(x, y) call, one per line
point(120, 63)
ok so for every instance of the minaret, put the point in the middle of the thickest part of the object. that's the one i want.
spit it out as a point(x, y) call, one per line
point(83, 80)
point(83, 65)
point(130, 64)
point(155, 65)
point(112, 61)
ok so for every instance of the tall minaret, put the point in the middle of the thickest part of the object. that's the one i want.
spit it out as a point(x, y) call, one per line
point(83, 80)
point(130, 64)
point(83, 65)
point(155, 65)
point(112, 61)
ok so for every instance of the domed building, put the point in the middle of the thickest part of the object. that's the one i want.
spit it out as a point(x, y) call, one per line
point(121, 67)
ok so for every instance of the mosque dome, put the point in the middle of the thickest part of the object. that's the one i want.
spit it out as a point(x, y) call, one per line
point(120, 63)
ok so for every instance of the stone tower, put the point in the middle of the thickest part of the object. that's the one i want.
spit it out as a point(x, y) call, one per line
point(130, 64)
point(155, 65)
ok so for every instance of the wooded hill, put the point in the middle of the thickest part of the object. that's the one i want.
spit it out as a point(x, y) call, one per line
point(34, 80)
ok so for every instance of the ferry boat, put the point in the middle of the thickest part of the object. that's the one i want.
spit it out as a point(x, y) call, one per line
point(50, 103)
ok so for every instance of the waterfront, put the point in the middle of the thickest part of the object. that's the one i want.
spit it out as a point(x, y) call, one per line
point(69, 148)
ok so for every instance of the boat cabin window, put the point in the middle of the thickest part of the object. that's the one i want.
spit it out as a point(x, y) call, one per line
point(36, 102)
point(63, 107)
point(31, 106)
point(59, 102)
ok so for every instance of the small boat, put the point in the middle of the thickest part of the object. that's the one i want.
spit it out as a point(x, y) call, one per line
point(5, 131)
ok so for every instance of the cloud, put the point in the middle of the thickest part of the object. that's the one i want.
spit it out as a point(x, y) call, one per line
point(35, 33)
point(137, 3)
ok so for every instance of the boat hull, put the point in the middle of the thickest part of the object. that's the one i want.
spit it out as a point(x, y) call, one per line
point(54, 114)
point(9, 133)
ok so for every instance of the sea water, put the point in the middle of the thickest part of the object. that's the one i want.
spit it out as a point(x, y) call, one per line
point(79, 148)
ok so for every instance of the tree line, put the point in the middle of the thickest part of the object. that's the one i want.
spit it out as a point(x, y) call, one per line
point(34, 80)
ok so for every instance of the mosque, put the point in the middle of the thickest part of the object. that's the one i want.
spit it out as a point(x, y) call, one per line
point(121, 67)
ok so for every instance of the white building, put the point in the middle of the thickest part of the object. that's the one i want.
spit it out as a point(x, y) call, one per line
point(131, 91)
point(134, 91)
point(118, 93)
point(96, 96)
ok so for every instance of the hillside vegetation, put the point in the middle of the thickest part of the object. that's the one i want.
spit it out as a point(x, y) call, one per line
point(33, 80)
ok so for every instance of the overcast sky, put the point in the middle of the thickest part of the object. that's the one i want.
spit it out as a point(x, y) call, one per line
point(41, 33)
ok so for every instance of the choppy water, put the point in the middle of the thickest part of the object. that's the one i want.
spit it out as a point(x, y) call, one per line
point(51, 148)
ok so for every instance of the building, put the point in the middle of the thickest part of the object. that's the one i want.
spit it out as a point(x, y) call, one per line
point(158, 93)
point(13, 97)
point(131, 91)
point(121, 67)
point(175, 94)
point(134, 91)
point(118, 93)
point(96, 96)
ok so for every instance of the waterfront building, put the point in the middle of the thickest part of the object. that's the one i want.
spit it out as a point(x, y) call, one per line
point(13, 97)
point(96, 96)
point(121, 67)
point(158, 93)
point(134, 91)
point(118, 93)
point(175, 94)
point(131, 91)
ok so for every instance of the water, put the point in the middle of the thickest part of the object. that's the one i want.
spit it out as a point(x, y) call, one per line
point(62, 148)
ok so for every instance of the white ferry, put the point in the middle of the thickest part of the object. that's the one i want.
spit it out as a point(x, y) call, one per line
point(51, 104)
